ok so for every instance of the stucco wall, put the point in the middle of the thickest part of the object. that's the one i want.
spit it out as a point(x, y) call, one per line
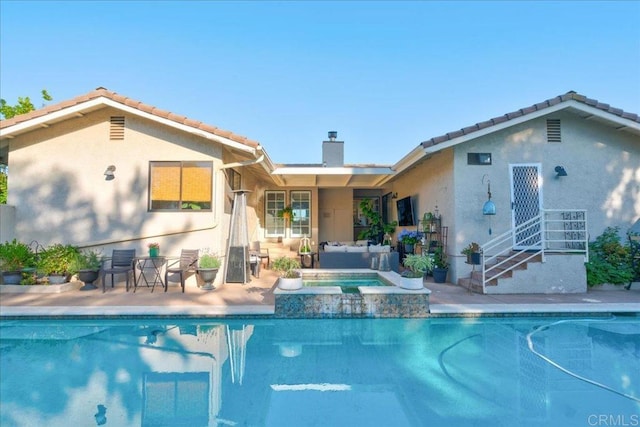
point(430, 185)
point(61, 195)
point(603, 167)
point(7, 223)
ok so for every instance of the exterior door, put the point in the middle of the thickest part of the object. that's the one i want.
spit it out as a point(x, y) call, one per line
point(526, 202)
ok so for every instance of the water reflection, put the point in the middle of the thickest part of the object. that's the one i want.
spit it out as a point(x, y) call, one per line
point(375, 372)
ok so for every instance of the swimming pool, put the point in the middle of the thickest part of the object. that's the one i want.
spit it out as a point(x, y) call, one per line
point(332, 372)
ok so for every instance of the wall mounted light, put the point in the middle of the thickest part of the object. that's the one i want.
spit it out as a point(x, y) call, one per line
point(394, 195)
point(109, 173)
point(560, 171)
point(489, 207)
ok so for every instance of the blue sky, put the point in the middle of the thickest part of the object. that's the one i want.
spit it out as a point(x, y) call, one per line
point(385, 75)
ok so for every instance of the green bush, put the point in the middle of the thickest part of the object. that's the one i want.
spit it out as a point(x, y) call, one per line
point(287, 267)
point(609, 260)
point(57, 259)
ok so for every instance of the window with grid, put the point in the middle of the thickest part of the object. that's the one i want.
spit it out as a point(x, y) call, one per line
point(180, 186)
point(301, 221)
point(273, 205)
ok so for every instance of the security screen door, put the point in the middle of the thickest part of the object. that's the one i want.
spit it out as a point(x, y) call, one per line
point(526, 202)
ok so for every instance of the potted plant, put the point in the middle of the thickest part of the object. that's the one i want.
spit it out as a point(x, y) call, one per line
point(288, 268)
point(416, 268)
point(154, 249)
point(87, 265)
point(440, 266)
point(55, 262)
point(14, 257)
point(286, 213)
point(472, 251)
point(409, 239)
point(208, 266)
point(377, 229)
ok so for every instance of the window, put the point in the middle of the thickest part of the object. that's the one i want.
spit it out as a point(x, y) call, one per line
point(479, 158)
point(274, 203)
point(301, 221)
point(179, 186)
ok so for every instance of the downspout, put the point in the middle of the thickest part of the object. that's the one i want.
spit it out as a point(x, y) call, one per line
point(216, 212)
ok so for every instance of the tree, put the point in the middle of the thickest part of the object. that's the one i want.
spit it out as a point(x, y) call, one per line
point(23, 106)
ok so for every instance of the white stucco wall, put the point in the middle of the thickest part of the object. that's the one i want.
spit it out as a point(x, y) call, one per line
point(61, 195)
point(603, 167)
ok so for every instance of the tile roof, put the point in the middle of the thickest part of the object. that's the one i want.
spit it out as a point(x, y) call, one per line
point(569, 96)
point(102, 92)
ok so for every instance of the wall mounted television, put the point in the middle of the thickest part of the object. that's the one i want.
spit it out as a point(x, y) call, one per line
point(405, 212)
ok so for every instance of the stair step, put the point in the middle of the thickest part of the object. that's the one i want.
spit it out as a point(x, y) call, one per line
point(474, 282)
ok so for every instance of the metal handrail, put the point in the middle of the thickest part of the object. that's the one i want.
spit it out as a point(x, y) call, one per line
point(551, 231)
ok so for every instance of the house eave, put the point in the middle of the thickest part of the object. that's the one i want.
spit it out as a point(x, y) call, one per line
point(94, 104)
point(585, 111)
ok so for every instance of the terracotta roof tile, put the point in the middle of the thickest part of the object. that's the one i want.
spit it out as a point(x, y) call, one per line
point(121, 99)
point(571, 95)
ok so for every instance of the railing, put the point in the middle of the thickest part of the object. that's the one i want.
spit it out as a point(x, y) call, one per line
point(551, 231)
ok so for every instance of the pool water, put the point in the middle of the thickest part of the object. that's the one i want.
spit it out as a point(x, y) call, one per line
point(346, 285)
point(321, 372)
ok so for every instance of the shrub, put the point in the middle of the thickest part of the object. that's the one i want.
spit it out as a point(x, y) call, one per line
point(609, 260)
point(209, 261)
point(16, 255)
point(57, 259)
point(287, 267)
point(417, 265)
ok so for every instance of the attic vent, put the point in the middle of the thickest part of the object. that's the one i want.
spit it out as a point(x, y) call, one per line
point(553, 130)
point(116, 131)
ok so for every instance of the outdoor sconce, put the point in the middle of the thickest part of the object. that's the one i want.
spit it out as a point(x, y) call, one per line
point(108, 174)
point(560, 171)
point(394, 195)
point(489, 207)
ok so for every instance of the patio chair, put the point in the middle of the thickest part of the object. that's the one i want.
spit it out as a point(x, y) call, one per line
point(187, 263)
point(121, 262)
point(254, 248)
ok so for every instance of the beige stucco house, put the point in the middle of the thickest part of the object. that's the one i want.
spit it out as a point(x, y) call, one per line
point(173, 181)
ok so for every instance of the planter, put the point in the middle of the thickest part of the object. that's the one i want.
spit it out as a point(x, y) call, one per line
point(473, 258)
point(57, 279)
point(408, 248)
point(288, 284)
point(11, 277)
point(208, 275)
point(413, 283)
point(88, 277)
point(440, 275)
point(154, 252)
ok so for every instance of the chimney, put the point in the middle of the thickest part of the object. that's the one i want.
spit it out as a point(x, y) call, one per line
point(333, 151)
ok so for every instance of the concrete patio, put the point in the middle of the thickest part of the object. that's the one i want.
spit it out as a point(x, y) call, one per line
point(257, 299)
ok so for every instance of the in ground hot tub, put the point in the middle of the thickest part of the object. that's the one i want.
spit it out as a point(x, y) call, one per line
point(351, 293)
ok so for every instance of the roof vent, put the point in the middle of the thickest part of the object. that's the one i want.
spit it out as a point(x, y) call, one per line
point(116, 131)
point(553, 130)
point(333, 135)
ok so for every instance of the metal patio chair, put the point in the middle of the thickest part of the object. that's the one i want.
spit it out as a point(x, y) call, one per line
point(187, 263)
point(254, 248)
point(121, 262)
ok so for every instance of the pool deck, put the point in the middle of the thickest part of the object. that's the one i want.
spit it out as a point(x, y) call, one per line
point(257, 299)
